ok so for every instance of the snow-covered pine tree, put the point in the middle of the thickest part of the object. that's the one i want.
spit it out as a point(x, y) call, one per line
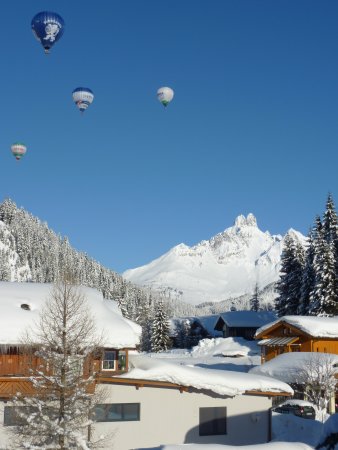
point(58, 414)
point(330, 221)
point(289, 284)
point(8, 210)
point(183, 333)
point(5, 271)
point(323, 298)
point(160, 329)
point(330, 230)
point(254, 301)
point(308, 279)
point(145, 319)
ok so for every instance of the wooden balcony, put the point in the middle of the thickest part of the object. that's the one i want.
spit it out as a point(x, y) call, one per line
point(10, 386)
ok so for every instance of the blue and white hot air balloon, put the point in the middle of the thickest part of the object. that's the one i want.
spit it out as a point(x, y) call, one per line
point(47, 27)
point(83, 97)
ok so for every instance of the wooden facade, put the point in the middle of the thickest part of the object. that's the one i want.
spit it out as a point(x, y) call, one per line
point(282, 337)
point(16, 367)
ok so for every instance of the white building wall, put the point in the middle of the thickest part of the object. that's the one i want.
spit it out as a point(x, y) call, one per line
point(6, 437)
point(170, 417)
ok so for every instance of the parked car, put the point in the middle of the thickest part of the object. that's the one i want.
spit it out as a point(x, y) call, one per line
point(300, 408)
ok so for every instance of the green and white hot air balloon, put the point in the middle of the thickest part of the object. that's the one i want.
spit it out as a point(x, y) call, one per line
point(18, 150)
point(165, 95)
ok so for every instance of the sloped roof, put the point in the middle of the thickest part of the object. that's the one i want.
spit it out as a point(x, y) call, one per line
point(323, 327)
point(247, 318)
point(278, 341)
point(117, 331)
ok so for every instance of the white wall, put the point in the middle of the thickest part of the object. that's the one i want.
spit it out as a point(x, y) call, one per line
point(5, 435)
point(171, 417)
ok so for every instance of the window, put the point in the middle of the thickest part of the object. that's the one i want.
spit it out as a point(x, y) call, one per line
point(12, 415)
point(109, 358)
point(117, 412)
point(122, 360)
point(212, 421)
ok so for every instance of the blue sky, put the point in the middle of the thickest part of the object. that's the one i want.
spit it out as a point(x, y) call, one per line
point(253, 126)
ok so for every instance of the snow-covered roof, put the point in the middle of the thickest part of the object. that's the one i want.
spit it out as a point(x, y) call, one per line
point(324, 327)
point(288, 366)
point(248, 318)
point(208, 322)
point(117, 331)
point(219, 381)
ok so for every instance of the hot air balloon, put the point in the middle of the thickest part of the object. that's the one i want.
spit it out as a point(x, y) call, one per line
point(18, 150)
point(165, 95)
point(47, 27)
point(83, 97)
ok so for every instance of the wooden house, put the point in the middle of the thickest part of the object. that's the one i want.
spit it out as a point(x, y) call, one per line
point(21, 305)
point(298, 334)
point(243, 323)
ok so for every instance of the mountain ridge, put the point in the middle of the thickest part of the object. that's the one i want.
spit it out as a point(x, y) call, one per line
point(227, 265)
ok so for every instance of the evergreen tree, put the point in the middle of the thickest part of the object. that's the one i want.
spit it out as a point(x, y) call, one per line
point(330, 222)
point(145, 321)
point(290, 282)
point(160, 329)
point(330, 229)
point(254, 301)
point(8, 210)
point(323, 299)
point(308, 279)
point(5, 270)
point(183, 333)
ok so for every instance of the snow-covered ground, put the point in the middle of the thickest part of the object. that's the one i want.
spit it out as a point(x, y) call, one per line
point(235, 354)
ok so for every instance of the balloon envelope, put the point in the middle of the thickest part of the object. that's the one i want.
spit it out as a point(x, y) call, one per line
point(165, 95)
point(47, 27)
point(18, 150)
point(83, 97)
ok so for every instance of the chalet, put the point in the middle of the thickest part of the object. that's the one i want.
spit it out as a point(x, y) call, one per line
point(289, 334)
point(298, 334)
point(146, 402)
point(243, 323)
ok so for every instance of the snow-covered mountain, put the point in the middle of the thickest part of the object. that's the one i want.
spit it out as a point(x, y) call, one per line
point(226, 266)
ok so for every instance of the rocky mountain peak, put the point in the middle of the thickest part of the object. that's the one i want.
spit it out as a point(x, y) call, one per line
point(242, 221)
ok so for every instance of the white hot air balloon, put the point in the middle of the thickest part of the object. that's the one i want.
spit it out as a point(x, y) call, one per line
point(83, 97)
point(165, 95)
point(18, 150)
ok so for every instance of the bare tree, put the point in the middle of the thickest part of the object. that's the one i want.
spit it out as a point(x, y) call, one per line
point(317, 379)
point(58, 415)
